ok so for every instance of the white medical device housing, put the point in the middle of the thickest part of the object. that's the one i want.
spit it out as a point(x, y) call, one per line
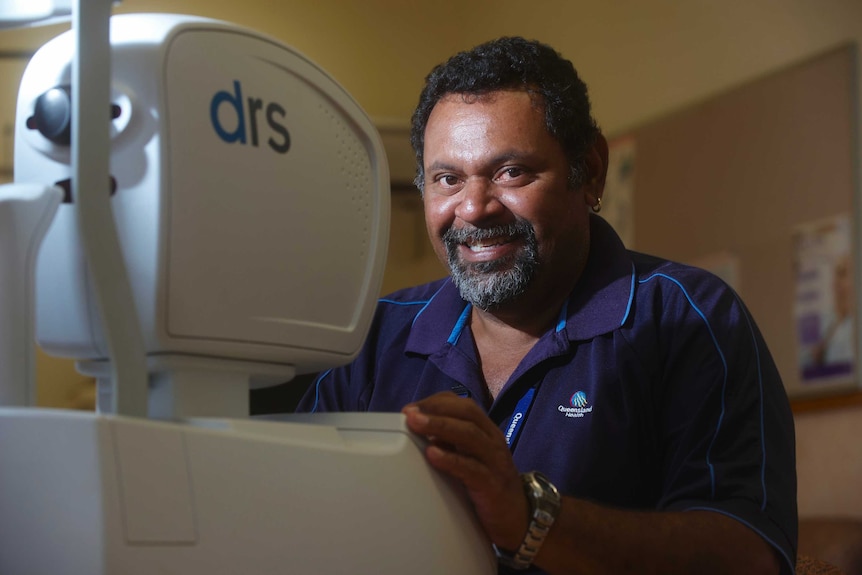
point(251, 200)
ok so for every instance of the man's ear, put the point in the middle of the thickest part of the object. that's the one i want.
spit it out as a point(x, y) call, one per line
point(597, 170)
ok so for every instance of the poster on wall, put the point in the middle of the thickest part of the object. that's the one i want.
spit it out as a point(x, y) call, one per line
point(824, 303)
point(618, 197)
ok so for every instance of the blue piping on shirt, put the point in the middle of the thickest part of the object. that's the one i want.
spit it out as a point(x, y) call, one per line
point(760, 389)
point(459, 325)
point(631, 296)
point(723, 362)
point(427, 303)
point(317, 390)
point(392, 301)
point(561, 320)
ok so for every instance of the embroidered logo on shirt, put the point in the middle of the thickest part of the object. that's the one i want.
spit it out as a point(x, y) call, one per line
point(578, 405)
point(579, 399)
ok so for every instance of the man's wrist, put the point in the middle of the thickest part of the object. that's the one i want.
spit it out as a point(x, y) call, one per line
point(544, 500)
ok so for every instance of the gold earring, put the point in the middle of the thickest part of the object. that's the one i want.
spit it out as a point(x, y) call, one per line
point(598, 206)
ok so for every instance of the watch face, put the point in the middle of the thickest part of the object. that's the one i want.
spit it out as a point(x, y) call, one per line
point(545, 483)
point(543, 480)
point(543, 495)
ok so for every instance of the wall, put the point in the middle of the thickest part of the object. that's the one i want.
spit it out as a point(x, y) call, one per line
point(641, 60)
point(829, 461)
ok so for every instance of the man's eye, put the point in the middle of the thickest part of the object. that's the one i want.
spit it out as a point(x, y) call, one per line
point(449, 180)
point(512, 173)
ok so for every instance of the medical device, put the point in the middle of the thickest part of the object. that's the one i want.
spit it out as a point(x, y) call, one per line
point(214, 209)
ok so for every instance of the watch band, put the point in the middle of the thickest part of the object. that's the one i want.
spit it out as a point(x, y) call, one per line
point(544, 501)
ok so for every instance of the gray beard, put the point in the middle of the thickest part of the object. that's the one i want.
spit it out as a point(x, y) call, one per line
point(488, 285)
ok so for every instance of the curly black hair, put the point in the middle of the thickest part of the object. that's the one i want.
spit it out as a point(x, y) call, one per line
point(514, 63)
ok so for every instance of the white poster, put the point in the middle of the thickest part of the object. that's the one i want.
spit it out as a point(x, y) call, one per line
point(825, 321)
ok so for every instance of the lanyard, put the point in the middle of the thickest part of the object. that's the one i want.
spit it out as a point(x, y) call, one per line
point(516, 422)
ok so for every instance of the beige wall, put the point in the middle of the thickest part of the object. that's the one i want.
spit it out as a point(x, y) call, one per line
point(829, 464)
point(641, 59)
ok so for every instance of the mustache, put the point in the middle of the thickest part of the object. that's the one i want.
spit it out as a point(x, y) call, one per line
point(520, 228)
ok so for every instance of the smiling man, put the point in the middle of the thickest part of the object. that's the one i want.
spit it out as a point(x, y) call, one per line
point(606, 411)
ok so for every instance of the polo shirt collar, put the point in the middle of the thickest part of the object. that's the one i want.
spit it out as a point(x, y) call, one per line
point(599, 303)
point(442, 319)
point(601, 300)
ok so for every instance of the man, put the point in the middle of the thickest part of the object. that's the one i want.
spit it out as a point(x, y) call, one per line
point(640, 388)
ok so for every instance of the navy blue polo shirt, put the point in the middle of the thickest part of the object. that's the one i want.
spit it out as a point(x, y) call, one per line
point(654, 390)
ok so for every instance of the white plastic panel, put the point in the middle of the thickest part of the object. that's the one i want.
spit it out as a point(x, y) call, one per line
point(156, 498)
point(351, 495)
point(275, 184)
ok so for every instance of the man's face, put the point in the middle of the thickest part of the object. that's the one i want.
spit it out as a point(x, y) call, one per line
point(498, 207)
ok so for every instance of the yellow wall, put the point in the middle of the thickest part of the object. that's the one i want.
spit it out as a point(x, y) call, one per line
point(641, 59)
point(59, 385)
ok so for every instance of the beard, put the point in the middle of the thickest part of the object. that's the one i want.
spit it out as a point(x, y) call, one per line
point(488, 285)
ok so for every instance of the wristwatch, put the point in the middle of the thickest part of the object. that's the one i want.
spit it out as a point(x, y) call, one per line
point(545, 506)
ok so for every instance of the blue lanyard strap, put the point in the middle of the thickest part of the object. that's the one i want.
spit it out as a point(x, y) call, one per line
point(513, 427)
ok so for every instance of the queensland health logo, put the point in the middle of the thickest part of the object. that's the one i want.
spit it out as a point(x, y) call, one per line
point(578, 405)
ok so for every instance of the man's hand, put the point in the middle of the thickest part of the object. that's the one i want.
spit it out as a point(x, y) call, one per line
point(467, 445)
point(586, 538)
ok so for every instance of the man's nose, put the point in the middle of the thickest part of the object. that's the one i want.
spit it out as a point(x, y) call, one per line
point(479, 201)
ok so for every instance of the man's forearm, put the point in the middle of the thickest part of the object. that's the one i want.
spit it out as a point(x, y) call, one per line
point(591, 539)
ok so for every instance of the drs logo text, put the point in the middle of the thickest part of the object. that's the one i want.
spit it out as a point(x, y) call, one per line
point(232, 104)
